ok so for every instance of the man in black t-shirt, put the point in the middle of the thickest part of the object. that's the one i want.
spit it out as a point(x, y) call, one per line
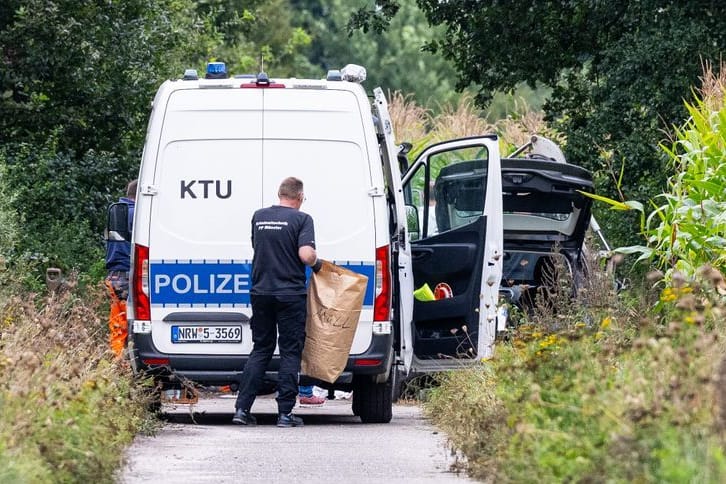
point(283, 239)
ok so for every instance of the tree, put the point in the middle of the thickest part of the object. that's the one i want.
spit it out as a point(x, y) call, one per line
point(250, 35)
point(393, 58)
point(619, 71)
point(76, 82)
point(86, 70)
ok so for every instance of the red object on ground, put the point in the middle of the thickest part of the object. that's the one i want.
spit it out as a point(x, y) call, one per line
point(443, 291)
point(312, 401)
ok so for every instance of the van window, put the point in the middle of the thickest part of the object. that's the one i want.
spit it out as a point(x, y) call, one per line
point(448, 189)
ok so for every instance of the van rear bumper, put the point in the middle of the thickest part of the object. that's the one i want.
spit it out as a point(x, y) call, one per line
point(210, 369)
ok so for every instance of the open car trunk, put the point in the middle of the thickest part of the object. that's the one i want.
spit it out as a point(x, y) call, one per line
point(545, 220)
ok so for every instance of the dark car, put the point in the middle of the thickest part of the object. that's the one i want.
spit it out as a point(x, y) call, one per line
point(546, 217)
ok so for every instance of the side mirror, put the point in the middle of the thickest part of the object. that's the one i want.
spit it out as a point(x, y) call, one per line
point(414, 229)
point(117, 223)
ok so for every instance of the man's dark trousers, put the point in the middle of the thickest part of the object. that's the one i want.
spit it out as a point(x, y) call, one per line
point(272, 315)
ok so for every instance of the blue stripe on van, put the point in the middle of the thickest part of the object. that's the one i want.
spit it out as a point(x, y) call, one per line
point(180, 283)
point(368, 269)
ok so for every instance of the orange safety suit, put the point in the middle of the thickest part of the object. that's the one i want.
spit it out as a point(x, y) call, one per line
point(117, 324)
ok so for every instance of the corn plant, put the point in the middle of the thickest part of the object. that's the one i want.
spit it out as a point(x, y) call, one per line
point(687, 227)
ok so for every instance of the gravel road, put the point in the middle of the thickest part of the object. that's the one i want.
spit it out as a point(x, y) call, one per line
point(333, 446)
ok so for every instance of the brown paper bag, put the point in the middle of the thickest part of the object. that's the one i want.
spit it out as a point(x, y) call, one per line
point(335, 299)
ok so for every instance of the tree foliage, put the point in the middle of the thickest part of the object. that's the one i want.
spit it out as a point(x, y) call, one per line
point(85, 69)
point(393, 57)
point(619, 71)
point(254, 35)
point(76, 82)
point(75, 85)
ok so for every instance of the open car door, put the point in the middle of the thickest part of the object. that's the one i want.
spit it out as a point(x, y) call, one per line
point(453, 194)
point(401, 247)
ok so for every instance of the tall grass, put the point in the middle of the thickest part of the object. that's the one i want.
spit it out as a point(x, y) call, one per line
point(68, 408)
point(690, 226)
point(417, 125)
point(602, 390)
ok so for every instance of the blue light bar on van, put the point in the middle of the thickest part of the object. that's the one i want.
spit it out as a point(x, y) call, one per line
point(216, 70)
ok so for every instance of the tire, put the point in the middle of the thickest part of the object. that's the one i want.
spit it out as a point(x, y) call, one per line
point(373, 402)
point(396, 384)
point(356, 404)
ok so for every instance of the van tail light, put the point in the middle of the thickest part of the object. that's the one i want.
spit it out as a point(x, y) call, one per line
point(382, 304)
point(141, 283)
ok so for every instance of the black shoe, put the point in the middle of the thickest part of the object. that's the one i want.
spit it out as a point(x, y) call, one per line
point(289, 420)
point(243, 418)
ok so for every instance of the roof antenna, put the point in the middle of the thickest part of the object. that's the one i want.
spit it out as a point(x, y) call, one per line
point(262, 62)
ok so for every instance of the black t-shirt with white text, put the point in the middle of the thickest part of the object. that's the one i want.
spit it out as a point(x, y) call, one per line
point(277, 234)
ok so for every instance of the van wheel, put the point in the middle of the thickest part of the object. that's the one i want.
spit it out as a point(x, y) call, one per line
point(356, 404)
point(373, 402)
point(396, 383)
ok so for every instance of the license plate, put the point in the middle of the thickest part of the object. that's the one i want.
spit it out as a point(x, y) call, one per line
point(206, 334)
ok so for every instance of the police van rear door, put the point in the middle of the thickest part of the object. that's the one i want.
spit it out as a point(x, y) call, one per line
point(207, 184)
point(317, 133)
point(454, 198)
point(401, 248)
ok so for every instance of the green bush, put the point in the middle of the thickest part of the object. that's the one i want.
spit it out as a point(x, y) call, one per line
point(624, 397)
point(8, 219)
point(59, 201)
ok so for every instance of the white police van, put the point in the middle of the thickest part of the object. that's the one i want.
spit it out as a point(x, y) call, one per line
point(216, 150)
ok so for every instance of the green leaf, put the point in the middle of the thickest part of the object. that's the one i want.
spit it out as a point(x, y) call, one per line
point(708, 186)
point(613, 203)
point(634, 249)
point(635, 205)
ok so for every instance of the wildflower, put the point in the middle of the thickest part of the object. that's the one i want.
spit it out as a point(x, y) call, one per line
point(668, 295)
point(550, 340)
point(605, 324)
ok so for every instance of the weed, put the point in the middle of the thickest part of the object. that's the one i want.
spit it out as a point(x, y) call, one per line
point(69, 408)
point(631, 396)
